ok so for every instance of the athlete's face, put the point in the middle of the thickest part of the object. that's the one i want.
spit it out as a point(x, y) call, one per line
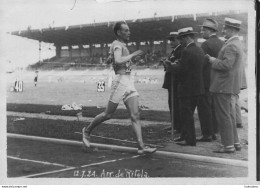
point(124, 33)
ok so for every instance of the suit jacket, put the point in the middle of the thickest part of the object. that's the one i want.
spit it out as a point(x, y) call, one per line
point(227, 69)
point(211, 47)
point(175, 54)
point(190, 71)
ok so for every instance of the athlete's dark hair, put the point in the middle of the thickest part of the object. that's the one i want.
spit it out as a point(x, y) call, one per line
point(117, 26)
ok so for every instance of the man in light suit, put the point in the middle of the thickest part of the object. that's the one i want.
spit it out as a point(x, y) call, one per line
point(225, 85)
point(211, 46)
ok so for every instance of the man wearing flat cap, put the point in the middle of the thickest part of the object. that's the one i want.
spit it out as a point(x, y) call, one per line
point(211, 46)
point(190, 87)
point(171, 80)
point(225, 85)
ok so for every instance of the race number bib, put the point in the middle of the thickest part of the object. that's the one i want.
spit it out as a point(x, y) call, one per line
point(18, 86)
point(101, 86)
point(128, 66)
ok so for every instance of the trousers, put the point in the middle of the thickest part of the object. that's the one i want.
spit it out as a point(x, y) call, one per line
point(177, 118)
point(225, 111)
point(206, 115)
point(238, 111)
point(187, 108)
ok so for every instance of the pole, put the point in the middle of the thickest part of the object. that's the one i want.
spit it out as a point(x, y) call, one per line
point(172, 105)
point(40, 51)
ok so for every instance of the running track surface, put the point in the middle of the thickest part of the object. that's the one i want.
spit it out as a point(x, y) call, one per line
point(33, 159)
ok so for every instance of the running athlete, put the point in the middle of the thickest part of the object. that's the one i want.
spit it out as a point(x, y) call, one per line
point(122, 88)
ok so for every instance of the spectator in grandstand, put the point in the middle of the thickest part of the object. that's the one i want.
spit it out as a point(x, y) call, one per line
point(122, 88)
point(35, 78)
point(190, 87)
point(225, 85)
point(171, 80)
point(211, 46)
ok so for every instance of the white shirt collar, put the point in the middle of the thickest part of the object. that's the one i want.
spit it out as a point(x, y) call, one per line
point(236, 36)
point(189, 44)
point(214, 34)
point(176, 47)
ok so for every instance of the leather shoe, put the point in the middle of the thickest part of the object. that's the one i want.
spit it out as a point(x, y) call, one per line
point(224, 150)
point(177, 131)
point(238, 147)
point(204, 139)
point(239, 125)
point(214, 137)
point(186, 144)
point(179, 139)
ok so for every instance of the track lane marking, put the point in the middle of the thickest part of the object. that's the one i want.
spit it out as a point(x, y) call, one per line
point(114, 160)
point(44, 173)
point(72, 168)
point(35, 161)
point(187, 156)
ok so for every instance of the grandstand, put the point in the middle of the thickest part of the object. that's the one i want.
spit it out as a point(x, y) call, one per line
point(86, 46)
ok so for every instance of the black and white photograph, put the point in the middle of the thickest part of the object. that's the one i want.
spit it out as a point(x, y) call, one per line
point(107, 91)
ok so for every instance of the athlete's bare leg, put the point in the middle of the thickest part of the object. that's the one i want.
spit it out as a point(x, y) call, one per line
point(107, 114)
point(132, 105)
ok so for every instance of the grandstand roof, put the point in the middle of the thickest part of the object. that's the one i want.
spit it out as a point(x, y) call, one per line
point(141, 30)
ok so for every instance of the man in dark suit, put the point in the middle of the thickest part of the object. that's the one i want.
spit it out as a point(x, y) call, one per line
point(211, 46)
point(190, 87)
point(225, 85)
point(171, 80)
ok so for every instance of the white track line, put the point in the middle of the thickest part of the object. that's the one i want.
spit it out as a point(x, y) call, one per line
point(34, 161)
point(110, 161)
point(200, 158)
point(51, 172)
point(153, 145)
point(72, 168)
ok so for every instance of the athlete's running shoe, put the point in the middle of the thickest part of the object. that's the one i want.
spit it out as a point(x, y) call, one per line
point(146, 150)
point(85, 138)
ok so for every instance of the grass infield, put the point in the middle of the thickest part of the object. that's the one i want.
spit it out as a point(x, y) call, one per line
point(87, 111)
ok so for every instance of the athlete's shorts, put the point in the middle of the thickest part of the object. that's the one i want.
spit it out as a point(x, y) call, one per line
point(122, 88)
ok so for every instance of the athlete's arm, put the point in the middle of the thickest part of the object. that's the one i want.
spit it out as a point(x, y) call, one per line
point(119, 59)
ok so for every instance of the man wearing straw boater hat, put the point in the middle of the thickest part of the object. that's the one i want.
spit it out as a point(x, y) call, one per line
point(190, 87)
point(211, 46)
point(171, 80)
point(225, 84)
